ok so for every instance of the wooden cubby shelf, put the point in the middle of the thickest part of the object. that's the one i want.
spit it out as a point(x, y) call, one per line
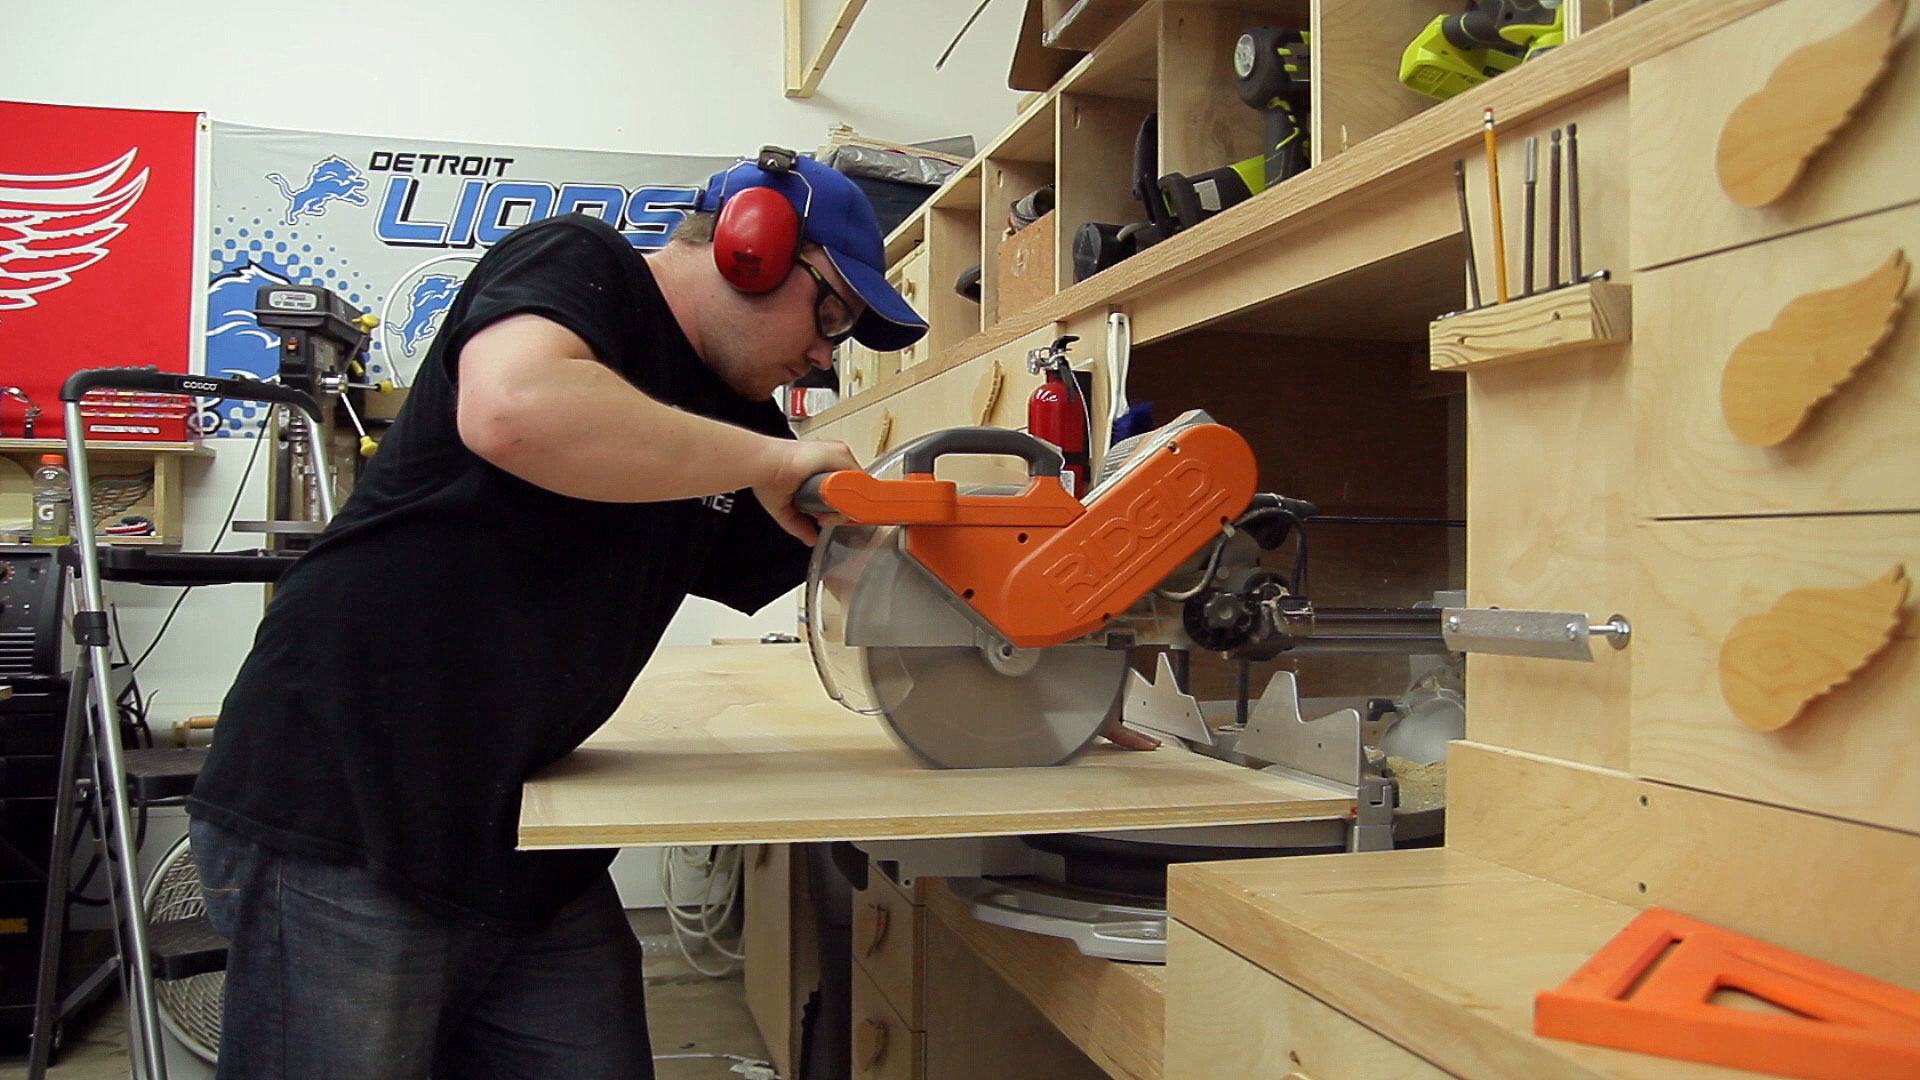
point(110, 461)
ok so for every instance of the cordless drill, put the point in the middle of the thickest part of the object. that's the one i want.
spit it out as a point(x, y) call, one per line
point(1459, 51)
point(1270, 74)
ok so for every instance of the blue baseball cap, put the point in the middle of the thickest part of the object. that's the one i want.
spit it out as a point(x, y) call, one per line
point(839, 218)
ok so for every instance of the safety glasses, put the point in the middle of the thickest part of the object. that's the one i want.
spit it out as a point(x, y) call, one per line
point(832, 315)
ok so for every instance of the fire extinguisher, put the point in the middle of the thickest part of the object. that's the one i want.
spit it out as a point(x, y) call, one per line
point(1058, 412)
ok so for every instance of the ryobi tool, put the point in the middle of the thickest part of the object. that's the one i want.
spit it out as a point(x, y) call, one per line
point(1456, 52)
point(1270, 74)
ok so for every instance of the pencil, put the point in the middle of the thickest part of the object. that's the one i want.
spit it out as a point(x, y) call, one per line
point(1493, 192)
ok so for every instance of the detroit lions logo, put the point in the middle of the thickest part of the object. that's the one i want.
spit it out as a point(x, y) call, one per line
point(413, 311)
point(432, 296)
point(330, 179)
point(55, 225)
point(235, 340)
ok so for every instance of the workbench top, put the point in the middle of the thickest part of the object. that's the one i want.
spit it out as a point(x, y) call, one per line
point(740, 744)
point(1435, 949)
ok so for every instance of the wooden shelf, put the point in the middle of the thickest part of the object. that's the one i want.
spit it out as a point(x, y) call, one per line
point(1373, 179)
point(1113, 1011)
point(111, 460)
point(1126, 64)
point(59, 446)
point(1534, 327)
point(1436, 950)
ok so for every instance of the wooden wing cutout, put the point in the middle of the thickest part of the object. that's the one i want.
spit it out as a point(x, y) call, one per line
point(1772, 665)
point(1776, 376)
point(1768, 140)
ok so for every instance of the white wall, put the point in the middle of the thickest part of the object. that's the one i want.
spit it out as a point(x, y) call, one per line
point(634, 75)
point(665, 76)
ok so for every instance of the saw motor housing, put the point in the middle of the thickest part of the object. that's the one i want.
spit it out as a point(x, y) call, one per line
point(1037, 565)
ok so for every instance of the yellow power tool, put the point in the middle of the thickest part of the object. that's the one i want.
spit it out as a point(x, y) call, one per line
point(1456, 52)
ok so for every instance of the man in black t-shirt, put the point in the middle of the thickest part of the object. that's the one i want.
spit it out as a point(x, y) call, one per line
point(590, 439)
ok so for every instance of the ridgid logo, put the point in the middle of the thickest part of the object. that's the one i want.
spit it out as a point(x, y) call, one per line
point(54, 225)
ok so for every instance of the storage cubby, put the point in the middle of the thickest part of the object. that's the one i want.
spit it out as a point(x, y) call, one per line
point(1018, 164)
point(1175, 59)
point(1344, 425)
point(1357, 45)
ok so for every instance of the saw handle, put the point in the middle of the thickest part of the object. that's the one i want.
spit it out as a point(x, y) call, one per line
point(807, 498)
point(1042, 457)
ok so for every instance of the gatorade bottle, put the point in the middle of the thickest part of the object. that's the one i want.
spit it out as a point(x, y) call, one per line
point(52, 501)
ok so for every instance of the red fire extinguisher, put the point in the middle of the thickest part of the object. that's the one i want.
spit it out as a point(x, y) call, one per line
point(1058, 411)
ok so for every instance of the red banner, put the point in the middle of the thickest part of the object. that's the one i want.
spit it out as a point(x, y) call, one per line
point(97, 247)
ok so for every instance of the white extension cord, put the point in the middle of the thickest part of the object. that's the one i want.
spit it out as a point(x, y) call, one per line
point(700, 921)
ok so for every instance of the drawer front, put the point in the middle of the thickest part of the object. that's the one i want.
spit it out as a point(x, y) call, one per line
point(1683, 98)
point(910, 280)
point(1229, 1017)
point(884, 1047)
point(888, 945)
point(1849, 752)
point(1788, 303)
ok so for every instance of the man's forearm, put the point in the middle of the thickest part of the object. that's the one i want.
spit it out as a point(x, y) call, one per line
point(582, 430)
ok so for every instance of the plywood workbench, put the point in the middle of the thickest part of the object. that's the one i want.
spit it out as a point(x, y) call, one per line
point(739, 744)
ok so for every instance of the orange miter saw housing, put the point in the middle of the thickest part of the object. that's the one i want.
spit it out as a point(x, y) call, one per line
point(1038, 564)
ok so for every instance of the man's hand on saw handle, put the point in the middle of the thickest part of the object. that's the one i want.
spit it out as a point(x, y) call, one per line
point(801, 459)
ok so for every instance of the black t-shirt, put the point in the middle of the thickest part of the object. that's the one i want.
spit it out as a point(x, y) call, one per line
point(457, 628)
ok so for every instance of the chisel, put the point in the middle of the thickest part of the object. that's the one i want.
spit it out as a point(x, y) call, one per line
point(1553, 211)
point(1466, 233)
point(1526, 244)
point(1573, 199)
point(1493, 192)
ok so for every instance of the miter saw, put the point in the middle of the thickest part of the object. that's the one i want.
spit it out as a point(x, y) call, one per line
point(992, 626)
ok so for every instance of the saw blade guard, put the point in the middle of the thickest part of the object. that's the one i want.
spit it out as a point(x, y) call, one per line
point(857, 582)
point(891, 640)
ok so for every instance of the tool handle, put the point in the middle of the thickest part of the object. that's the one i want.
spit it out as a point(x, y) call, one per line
point(153, 380)
point(807, 497)
point(1042, 458)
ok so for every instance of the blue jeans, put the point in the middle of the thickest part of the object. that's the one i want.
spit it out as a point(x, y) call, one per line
point(331, 977)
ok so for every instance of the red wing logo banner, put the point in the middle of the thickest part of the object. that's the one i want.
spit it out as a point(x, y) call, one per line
point(97, 248)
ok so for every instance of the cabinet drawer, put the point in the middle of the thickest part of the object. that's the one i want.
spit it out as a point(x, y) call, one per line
point(884, 1047)
point(1850, 752)
point(1858, 449)
point(1226, 1016)
point(910, 279)
point(888, 944)
point(1683, 98)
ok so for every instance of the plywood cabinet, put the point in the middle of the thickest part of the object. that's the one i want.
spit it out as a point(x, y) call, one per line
point(1227, 1016)
point(1683, 98)
point(1786, 305)
point(1599, 479)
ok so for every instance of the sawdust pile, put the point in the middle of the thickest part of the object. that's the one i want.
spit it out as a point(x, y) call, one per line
point(1422, 787)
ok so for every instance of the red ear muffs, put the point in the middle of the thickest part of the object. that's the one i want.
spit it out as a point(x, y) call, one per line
point(756, 239)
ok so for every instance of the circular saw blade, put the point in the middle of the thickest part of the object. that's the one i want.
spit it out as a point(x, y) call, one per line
point(950, 707)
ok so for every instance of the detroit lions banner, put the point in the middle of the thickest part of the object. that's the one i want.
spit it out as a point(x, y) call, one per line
point(393, 226)
point(97, 249)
